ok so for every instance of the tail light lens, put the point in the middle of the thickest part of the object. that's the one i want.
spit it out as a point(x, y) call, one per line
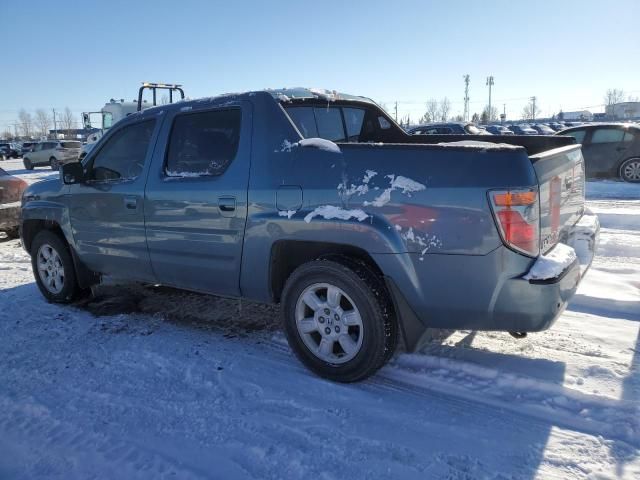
point(517, 214)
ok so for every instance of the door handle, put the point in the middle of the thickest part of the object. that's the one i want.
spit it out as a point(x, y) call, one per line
point(227, 206)
point(130, 203)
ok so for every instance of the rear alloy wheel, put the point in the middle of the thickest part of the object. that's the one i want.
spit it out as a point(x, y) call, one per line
point(53, 267)
point(27, 164)
point(338, 319)
point(53, 163)
point(630, 170)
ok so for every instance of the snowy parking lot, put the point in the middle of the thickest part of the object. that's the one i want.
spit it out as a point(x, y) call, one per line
point(150, 382)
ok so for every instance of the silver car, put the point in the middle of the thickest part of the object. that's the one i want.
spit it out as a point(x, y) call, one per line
point(52, 153)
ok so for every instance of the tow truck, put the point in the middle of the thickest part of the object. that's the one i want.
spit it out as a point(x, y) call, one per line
point(115, 110)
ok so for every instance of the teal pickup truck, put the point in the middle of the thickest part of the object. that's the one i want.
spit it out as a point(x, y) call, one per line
point(320, 202)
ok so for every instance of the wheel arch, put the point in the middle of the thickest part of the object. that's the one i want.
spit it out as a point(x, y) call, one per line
point(287, 255)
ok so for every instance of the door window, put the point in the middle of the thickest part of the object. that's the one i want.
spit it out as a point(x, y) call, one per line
point(628, 137)
point(203, 143)
point(123, 155)
point(607, 135)
point(577, 134)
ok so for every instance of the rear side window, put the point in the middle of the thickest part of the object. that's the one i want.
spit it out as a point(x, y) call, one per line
point(607, 135)
point(628, 137)
point(329, 122)
point(124, 153)
point(305, 120)
point(203, 143)
point(76, 145)
point(577, 134)
point(353, 118)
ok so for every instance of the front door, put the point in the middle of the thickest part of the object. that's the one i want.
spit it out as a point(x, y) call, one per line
point(196, 199)
point(107, 210)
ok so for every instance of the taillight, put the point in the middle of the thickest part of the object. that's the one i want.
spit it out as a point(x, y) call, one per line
point(517, 214)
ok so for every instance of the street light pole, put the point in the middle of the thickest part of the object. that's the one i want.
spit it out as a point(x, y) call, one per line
point(489, 84)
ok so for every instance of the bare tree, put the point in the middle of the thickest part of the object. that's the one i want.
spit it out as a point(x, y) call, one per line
point(528, 112)
point(475, 118)
point(26, 123)
point(432, 110)
point(489, 116)
point(613, 96)
point(444, 109)
point(7, 135)
point(43, 122)
point(67, 121)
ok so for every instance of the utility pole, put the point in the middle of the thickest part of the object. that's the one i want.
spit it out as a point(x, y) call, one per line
point(533, 108)
point(55, 127)
point(489, 84)
point(467, 78)
point(396, 112)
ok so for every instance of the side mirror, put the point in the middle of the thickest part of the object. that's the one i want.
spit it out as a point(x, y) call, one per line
point(72, 173)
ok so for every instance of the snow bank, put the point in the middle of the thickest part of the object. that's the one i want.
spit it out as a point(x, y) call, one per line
point(552, 264)
point(330, 212)
point(321, 144)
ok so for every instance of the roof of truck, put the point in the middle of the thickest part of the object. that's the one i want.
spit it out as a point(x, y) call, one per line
point(284, 95)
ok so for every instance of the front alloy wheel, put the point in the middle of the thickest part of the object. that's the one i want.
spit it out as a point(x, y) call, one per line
point(50, 269)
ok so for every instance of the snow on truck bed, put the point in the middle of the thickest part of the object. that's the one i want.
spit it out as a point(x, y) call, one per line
point(150, 382)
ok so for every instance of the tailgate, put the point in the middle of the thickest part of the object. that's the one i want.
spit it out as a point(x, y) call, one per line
point(560, 175)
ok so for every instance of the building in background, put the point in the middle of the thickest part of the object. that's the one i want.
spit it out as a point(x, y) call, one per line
point(581, 115)
point(623, 111)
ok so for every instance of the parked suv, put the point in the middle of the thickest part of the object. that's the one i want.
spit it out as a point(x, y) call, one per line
point(13, 150)
point(52, 153)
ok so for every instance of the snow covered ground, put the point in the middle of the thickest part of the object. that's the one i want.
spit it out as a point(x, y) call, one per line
point(155, 383)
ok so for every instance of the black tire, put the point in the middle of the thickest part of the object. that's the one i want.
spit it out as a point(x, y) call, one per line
point(70, 290)
point(366, 289)
point(53, 163)
point(13, 233)
point(629, 170)
point(27, 164)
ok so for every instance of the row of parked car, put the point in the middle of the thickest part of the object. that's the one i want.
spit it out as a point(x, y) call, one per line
point(51, 153)
point(468, 128)
point(610, 150)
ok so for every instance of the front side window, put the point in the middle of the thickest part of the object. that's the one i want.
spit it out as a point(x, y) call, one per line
point(607, 135)
point(203, 143)
point(628, 137)
point(124, 153)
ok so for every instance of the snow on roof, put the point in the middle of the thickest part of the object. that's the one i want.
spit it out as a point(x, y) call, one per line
point(476, 144)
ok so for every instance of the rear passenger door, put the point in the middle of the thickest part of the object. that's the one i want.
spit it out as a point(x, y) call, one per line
point(196, 198)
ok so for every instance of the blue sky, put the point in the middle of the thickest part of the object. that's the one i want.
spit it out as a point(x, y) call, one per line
point(80, 54)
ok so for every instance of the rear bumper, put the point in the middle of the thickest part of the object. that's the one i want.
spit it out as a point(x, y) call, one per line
point(9, 215)
point(487, 292)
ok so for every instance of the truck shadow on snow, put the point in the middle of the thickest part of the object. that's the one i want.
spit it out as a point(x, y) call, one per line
point(231, 316)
